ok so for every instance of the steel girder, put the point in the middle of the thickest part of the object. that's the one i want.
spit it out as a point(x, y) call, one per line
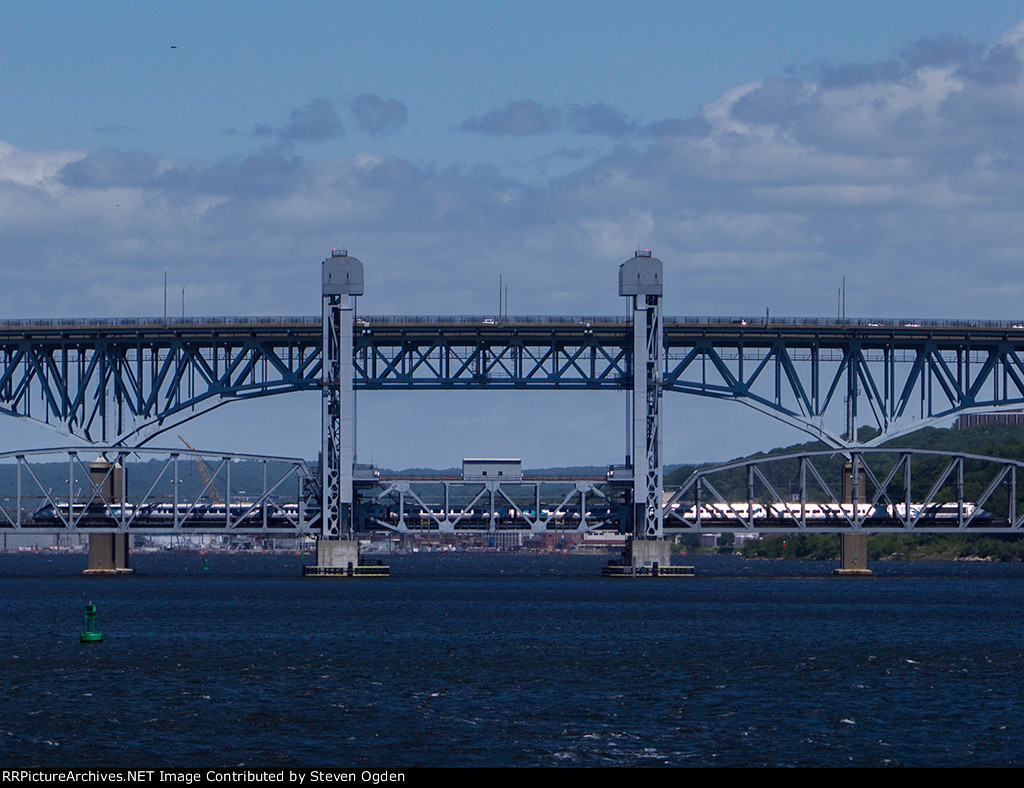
point(125, 381)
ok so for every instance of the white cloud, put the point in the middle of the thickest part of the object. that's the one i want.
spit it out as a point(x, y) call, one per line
point(32, 168)
point(902, 176)
point(840, 171)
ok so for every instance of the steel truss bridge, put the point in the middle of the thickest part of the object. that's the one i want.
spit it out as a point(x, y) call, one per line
point(123, 382)
point(869, 489)
point(271, 496)
point(881, 490)
point(279, 497)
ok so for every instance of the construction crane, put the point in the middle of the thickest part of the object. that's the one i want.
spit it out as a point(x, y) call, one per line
point(203, 472)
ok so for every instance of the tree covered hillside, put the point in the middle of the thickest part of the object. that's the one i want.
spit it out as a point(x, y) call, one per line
point(994, 440)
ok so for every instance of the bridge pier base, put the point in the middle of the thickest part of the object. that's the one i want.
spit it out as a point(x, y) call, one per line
point(646, 558)
point(853, 555)
point(108, 555)
point(340, 558)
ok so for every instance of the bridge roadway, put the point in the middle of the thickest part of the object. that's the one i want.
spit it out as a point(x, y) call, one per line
point(126, 380)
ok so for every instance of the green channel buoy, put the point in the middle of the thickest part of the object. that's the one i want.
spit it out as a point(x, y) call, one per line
point(206, 564)
point(91, 633)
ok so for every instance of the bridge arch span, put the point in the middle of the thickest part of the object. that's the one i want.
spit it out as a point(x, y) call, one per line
point(873, 489)
point(171, 491)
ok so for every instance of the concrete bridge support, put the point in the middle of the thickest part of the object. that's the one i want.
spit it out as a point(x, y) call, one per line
point(646, 558)
point(108, 555)
point(108, 552)
point(853, 545)
point(652, 554)
point(853, 549)
point(340, 558)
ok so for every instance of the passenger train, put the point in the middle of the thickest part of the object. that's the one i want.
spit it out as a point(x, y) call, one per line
point(830, 512)
point(161, 513)
point(248, 514)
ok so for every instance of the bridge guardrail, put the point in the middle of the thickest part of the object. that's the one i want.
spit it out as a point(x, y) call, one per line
point(686, 320)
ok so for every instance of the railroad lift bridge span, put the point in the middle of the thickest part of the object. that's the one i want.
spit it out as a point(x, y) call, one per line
point(119, 384)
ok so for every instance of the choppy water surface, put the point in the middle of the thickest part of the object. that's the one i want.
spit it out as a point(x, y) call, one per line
point(483, 660)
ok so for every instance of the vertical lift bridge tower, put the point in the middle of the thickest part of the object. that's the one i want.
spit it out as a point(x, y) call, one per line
point(337, 550)
point(641, 279)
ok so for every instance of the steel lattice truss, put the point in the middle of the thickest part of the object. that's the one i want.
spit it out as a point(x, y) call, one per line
point(881, 490)
point(286, 502)
point(872, 489)
point(892, 375)
point(108, 381)
point(123, 381)
point(480, 506)
point(475, 352)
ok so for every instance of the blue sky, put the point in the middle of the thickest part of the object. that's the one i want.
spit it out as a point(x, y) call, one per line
point(763, 150)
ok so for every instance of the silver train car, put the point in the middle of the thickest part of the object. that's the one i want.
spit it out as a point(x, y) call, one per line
point(829, 512)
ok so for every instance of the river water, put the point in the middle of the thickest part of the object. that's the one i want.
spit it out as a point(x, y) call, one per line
point(510, 660)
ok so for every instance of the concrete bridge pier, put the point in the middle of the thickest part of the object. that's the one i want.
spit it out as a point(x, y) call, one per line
point(853, 545)
point(853, 558)
point(646, 558)
point(340, 558)
point(108, 555)
point(108, 552)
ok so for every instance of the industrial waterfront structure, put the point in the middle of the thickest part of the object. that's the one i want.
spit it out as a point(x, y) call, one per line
point(121, 383)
